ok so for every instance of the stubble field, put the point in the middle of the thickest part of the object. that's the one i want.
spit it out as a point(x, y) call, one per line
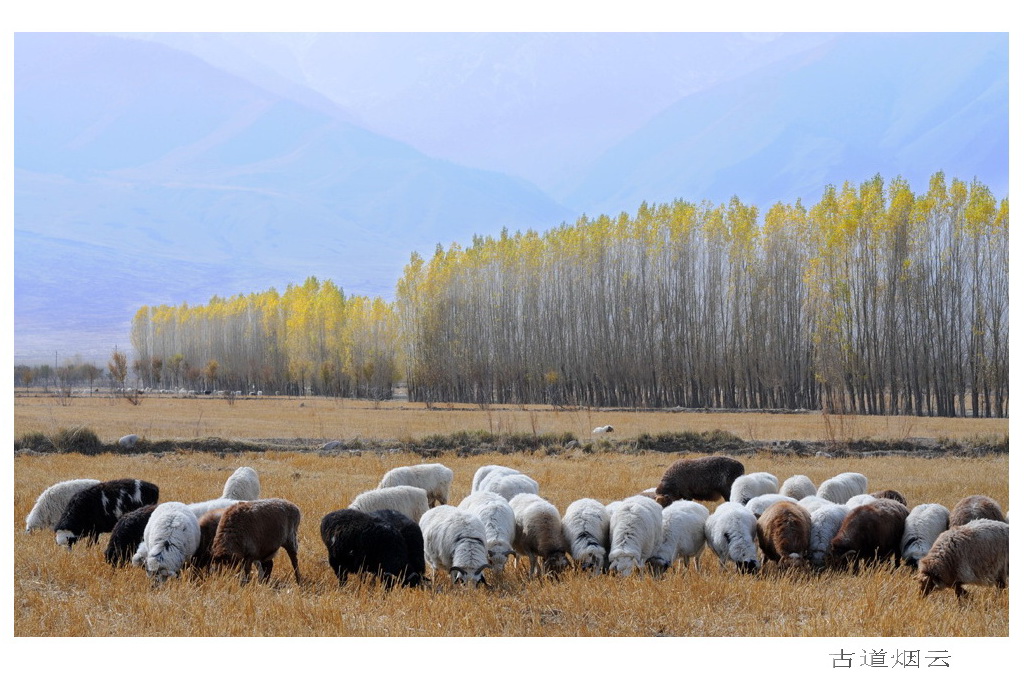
point(57, 592)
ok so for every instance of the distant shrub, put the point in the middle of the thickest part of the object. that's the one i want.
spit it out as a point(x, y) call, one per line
point(79, 439)
point(689, 441)
point(35, 441)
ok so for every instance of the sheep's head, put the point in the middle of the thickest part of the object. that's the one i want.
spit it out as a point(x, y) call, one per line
point(594, 560)
point(66, 538)
point(497, 555)
point(623, 563)
point(795, 561)
point(663, 499)
point(928, 583)
point(658, 566)
point(462, 576)
point(555, 562)
point(749, 566)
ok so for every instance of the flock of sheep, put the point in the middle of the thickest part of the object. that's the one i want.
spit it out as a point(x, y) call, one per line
point(394, 531)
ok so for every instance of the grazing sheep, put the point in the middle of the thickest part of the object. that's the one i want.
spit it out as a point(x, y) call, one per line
point(242, 485)
point(169, 540)
point(539, 534)
point(839, 488)
point(128, 441)
point(731, 532)
point(253, 531)
point(200, 508)
point(784, 533)
point(891, 494)
point(814, 502)
point(96, 509)
point(510, 485)
point(586, 529)
point(975, 553)
point(359, 542)
point(859, 500)
point(208, 524)
point(682, 535)
point(922, 527)
point(870, 532)
point(635, 529)
point(126, 535)
point(746, 487)
point(602, 429)
point(434, 478)
point(975, 507)
point(52, 501)
point(410, 530)
point(455, 541)
point(760, 504)
point(706, 478)
point(499, 521)
point(826, 520)
point(484, 471)
point(410, 501)
point(798, 487)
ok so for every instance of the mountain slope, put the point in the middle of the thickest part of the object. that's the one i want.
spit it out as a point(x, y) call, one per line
point(860, 105)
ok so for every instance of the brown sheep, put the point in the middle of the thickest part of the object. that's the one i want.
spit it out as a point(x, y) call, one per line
point(869, 532)
point(973, 508)
point(707, 478)
point(253, 531)
point(891, 494)
point(208, 524)
point(975, 553)
point(784, 533)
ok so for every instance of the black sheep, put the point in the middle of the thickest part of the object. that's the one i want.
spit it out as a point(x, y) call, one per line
point(703, 479)
point(126, 535)
point(359, 542)
point(413, 535)
point(96, 509)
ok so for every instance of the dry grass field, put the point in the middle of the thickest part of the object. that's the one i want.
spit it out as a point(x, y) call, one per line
point(57, 592)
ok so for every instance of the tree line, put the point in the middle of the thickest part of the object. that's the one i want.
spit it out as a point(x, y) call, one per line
point(875, 300)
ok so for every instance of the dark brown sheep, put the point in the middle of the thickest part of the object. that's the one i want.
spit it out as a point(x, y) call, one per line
point(252, 532)
point(208, 524)
point(891, 494)
point(973, 508)
point(975, 553)
point(784, 533)
point(869, 532)
point(707, 478)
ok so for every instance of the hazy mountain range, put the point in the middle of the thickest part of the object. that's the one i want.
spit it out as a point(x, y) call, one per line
point(172, 167)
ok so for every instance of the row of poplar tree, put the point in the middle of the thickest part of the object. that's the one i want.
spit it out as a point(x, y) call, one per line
point(874, 300)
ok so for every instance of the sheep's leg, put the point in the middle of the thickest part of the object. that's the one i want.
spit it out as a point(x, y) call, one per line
point(533, 565)
point(293, 556)
point(246, 566)
point(264, 568)
point(961, 592)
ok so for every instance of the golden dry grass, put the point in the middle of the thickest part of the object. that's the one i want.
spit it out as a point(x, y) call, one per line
point(160, 417)
point(77, 594)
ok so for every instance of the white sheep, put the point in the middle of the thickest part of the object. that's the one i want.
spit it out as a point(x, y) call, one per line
point(760, 504)
point(826, 519)
point(171, 537)
point(923, 526)
point(484, 471)
point(412, 501)
point(731, 532)
point(859, 500)
point(128, 441)
point(746, 487)
point(798, 487)
point(814, 502)
point(499, 525)
point(602, 429)
point(434, 478)
point(242, 485)
point(50, 504)
point(635, 528)
point(455, 541)
point(539, 534)
point(682, 535)
point(510, 485)
point(199, 508)
point(586, 529)
point(839, 488)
